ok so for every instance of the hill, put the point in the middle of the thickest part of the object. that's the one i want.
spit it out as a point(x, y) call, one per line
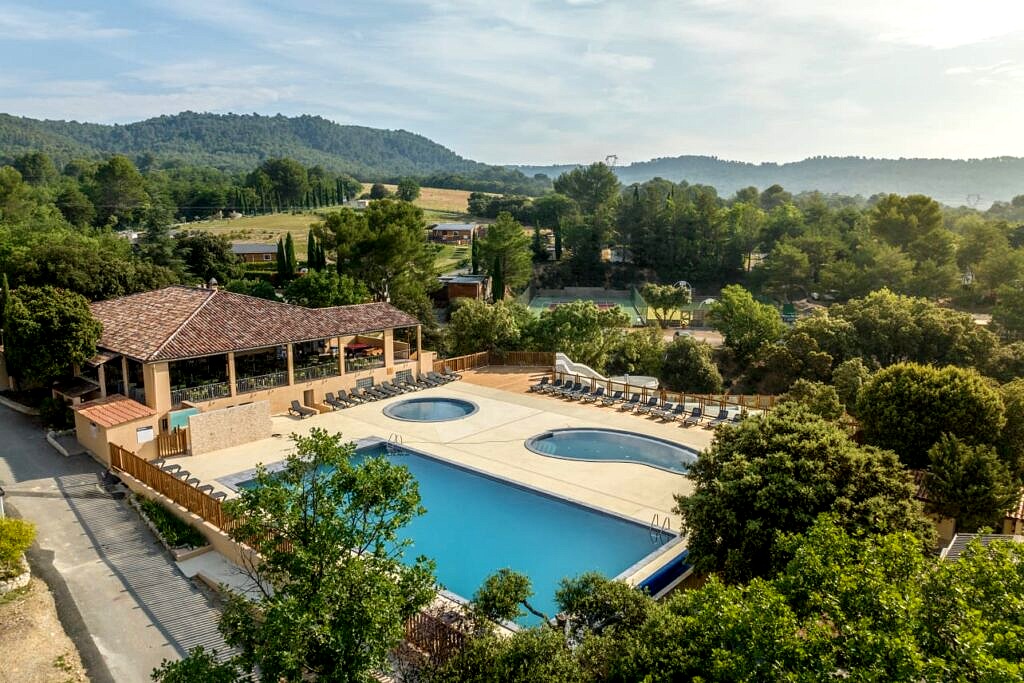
point(951, 181)
point(239, 142)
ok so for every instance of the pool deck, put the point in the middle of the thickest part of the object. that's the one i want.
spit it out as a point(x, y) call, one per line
point(492, 441)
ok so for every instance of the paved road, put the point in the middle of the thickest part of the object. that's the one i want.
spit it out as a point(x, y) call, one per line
point(119, 595)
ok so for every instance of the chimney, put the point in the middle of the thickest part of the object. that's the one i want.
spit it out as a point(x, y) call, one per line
point(212, 284)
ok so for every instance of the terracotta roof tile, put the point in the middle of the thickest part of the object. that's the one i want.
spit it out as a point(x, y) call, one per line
point(180, 322)
point(114, 410)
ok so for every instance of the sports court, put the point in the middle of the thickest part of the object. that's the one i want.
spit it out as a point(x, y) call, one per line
point(629, 302)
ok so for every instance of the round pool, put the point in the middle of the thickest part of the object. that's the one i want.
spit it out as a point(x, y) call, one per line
point(431, 409)
point(612, 445)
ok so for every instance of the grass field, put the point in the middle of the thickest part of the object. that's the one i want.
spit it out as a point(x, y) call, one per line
point(439, 206)
point(449, 256)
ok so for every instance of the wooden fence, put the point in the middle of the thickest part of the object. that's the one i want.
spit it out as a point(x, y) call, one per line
point(434, 637)
point(760, 402)
point(171, 443)
point(166, 484)
point(485, 358)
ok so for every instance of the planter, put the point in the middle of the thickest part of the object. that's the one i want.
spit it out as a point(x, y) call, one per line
point(180, 553)
point(19, 581)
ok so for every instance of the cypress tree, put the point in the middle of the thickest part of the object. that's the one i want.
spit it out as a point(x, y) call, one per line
point(312, 255)
point(322, 256)
point(474, 255)
point(539, 252)
point(289, 254)
point(282, 261)
point(497, 281)
point(558, 243)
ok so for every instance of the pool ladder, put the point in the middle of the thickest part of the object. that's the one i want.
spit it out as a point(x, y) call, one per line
point(660, 530)
point(394, 443)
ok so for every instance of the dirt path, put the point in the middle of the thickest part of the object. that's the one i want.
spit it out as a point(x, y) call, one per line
point(34, 646)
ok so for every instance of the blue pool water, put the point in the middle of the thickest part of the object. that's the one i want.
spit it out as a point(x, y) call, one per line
point(430, 409)
point(613, 445)
point(475, 525)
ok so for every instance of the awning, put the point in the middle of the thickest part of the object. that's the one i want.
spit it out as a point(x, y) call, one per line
point(357, 346)
point(102, 357)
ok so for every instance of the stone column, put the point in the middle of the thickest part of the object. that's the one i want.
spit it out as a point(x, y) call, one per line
point(291, 365)
point(101, 372)
point(231, 374)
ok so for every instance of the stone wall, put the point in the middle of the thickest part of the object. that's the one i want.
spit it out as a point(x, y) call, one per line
point(217, 429)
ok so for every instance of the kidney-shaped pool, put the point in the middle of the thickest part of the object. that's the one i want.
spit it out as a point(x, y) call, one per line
point(612, 445)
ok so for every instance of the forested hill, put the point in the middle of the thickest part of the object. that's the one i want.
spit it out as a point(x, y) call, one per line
point(950, 181)
point(235, 142)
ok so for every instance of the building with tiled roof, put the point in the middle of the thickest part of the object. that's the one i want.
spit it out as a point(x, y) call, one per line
point(1012, 524)
point(179, 349)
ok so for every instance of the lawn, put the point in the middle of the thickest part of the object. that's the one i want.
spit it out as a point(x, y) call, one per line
point(449, 256)
point(439, 206)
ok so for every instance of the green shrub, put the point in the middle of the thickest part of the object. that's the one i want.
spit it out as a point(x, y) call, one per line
point(56, 414)
point(16, 535)
point(176, 532)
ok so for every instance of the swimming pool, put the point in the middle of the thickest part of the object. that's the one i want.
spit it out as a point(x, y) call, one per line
point(433, 409)
point(476, 524)
point(614, 446)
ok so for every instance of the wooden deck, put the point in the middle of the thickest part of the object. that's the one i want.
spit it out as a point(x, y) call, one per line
point(516, 379)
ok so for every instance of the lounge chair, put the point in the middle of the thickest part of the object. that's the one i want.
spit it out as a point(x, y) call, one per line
point(389, 388)
point(595, 395)
point(633, 402)
point(577, 394)
point(694, 417)
point(377, 392)
point(673, 414)
point(205, 488)
point(301, 411)
point(440, 379)
point(183, 474)
point(566, 390)
point(612, 400)
point(447, 372)
point(404, 385)
point(541, 384)
point(219, 495)
point(420, 382)
point(649, 407)
point(427, 382)
point(552, 387)
point(171, 469)
point(666, 409)
point(333, 402)
point(737, 418)
point(722, 417)
point(351, 400)
point(359, 395)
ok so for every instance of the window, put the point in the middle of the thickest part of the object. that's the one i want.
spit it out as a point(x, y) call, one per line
point(404, 375)
point(266, 257)
point(144, 435)
point(364, 383)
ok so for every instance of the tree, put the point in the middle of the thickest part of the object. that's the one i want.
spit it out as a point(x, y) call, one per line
point(286, 179)
point(538, 246)
point(119, 191)
point(775, 196)
point(474, 255)
point(818, 397)
point(312, 252)
point(206, 255)
point(260, 289)
point(969, 484)
point(558, 243)
point(320, 289)
point(640, 352)
point(774, 474)
point(666, 299)
point(1008, 313)
point(592, 188)
point(689, 366)
point(35, 168)
point(1011, 441)
point(378, 191)
point(906, 407)
point(408, 190)
point(848, 378)
point(281, 259)
point(902, 220)
point(786, 271)
point(581, 331)
point(46, 331)
point(506, 248)
point(477, 326)
point(745, 323)
point(333, 591)
point(200, 666)
point(75, 206)
point(289, 255)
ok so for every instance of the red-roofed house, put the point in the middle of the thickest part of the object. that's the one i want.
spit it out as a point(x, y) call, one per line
point(185, 348)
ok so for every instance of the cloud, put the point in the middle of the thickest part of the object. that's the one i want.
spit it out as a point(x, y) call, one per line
point(25, 23)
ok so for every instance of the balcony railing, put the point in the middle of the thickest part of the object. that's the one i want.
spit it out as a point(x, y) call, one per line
point(368, 363)
point(311, 372)
point(206, 392)
point(245, 385)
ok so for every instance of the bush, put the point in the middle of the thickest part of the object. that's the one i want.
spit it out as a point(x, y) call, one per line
point(16, 535)
point(175, 532)
point(56, 414)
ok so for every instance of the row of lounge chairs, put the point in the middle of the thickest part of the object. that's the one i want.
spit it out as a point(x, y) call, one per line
point(386, 389)
point(667, 411)
point(175, 471)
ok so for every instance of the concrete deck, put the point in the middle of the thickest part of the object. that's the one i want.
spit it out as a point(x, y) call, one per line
point(491, 440)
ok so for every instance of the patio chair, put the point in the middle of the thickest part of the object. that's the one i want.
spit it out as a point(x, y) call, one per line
point(192, 481)
point(438, 378)
point(579, 393)
point(301, 411)
point(541, 384)
point(171, 469)
point(447, 372)
point(336, 403)
point(346, 398)
point(633, 402)
point(593, 396)
point(219, 495)
point(183, 474)
point(407, 384)
point(390, 388)
point(205, 488)
point(612, 400)
point(568, 389)
point(650, 406)
point(694, 417)
point(674, 414)
point(722, 417)
point(427, 382)
point(552, 387)
point(737, 418)
point(376, 392)
point(666, 408)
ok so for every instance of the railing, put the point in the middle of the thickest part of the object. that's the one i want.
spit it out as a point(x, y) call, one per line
point(206, 392)
point(172, 443)
point(434, 637)
point(357, 364)
point(244, 385)
point(485, 358)
point(311, 372)
point(759, 402)
point(403, 355)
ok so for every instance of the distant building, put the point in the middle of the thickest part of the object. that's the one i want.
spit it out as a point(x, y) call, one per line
point(455, 233)
point(463, 286)
point(255, 253)
point(357, 203)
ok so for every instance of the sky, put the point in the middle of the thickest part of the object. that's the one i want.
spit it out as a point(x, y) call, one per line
point(547, 81)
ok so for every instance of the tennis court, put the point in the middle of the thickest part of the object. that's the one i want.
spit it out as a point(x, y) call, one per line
point(548, 300)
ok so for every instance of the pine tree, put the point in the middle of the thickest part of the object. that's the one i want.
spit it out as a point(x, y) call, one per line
point(289, 254)
point(498, 281)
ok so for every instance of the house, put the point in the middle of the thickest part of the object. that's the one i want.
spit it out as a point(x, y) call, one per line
point(357, 203)
point(194, 349)
point(1012, 523)
point(455, 233)
point(960, 542)
point(254, 253)
point(463, 286)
